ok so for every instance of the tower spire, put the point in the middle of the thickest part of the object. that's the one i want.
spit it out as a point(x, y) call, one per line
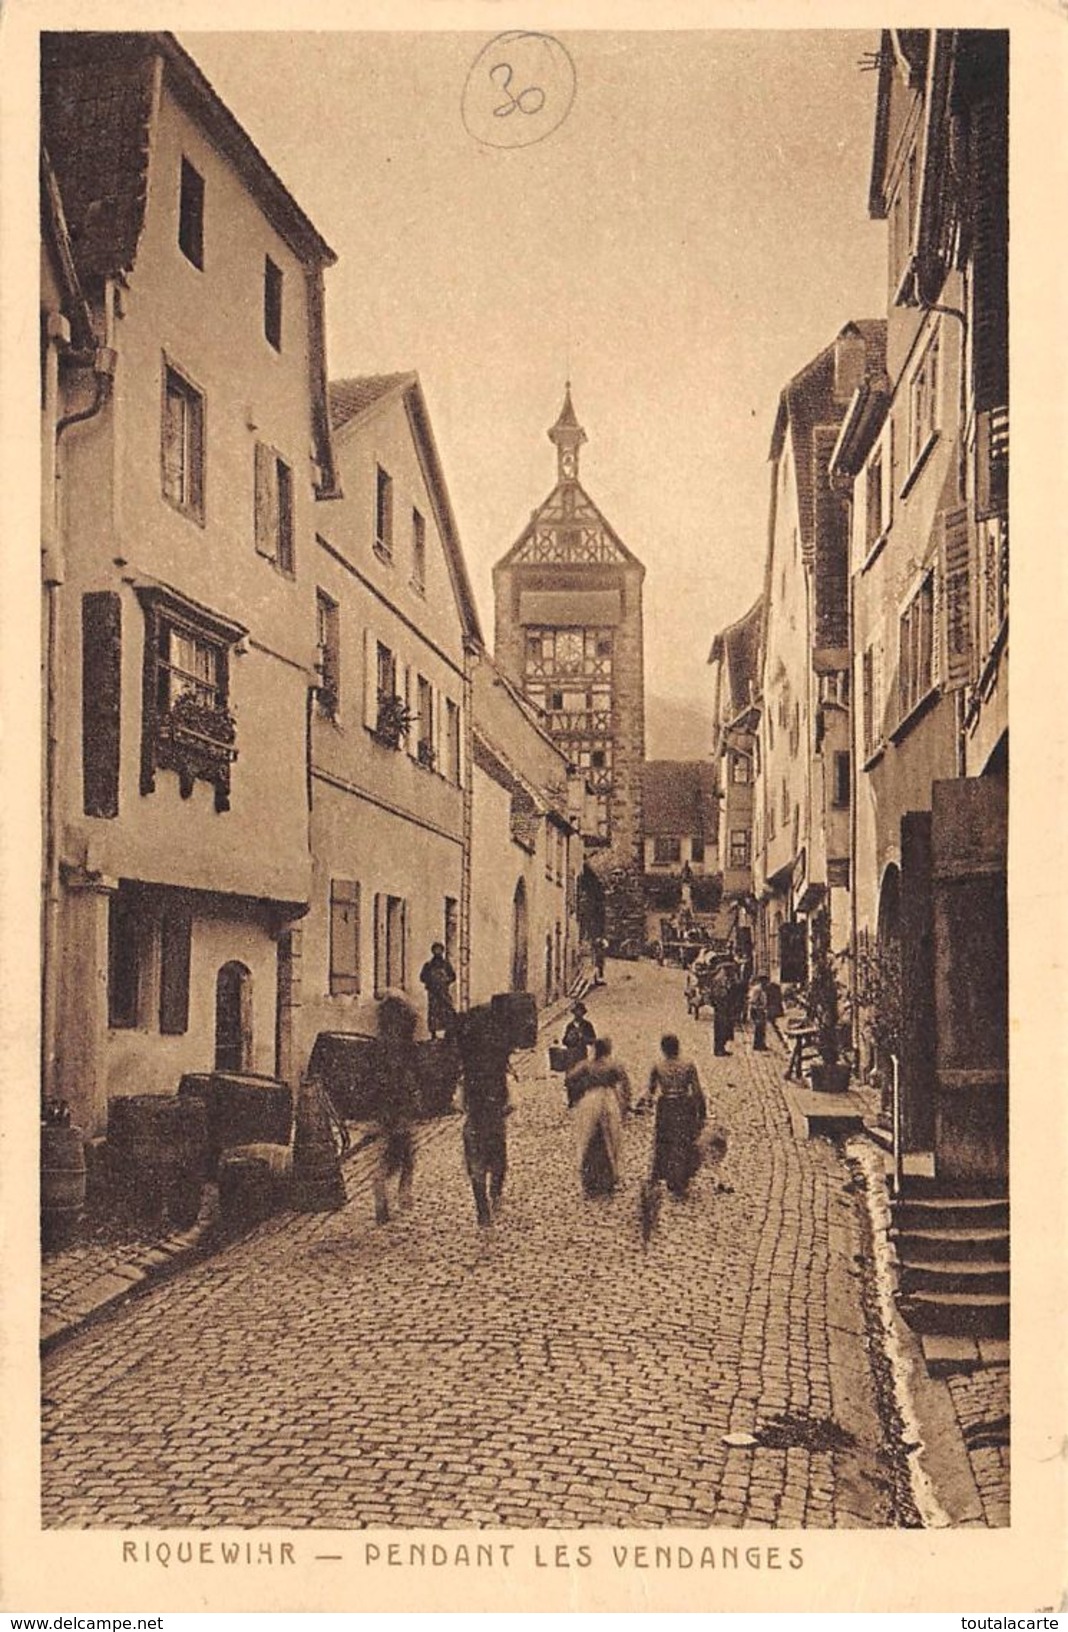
point(568, 436)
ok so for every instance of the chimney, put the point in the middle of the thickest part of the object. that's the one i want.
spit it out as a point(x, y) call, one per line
point(849, 360)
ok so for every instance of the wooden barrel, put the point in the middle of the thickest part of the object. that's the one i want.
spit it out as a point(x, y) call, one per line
point(247, 1189)
point(62, 1184)
point(517, 1014)
point(156, 1153)
point(344, 1063)
point(241, 1109)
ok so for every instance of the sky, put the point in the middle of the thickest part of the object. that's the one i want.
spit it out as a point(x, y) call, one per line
point(692, 231)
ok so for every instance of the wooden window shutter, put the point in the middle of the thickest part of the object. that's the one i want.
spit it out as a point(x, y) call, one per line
point(438, 731)
point(956, 592)
point(284, 489)
point(101, 702)
point(456, 746)
point(411, 703)
point(176, 935)
point(380, 945)
point(938, 629)
point(370, 679)
point(266, 501)
point(988, 185)
point(344, 937)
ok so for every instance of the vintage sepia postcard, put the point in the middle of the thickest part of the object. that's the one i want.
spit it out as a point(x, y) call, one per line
point(533, 1023)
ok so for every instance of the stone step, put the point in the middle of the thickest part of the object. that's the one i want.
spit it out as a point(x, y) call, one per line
point(954, 1275)
point(977, 1314)
point(952, 1243)
point(950, 1212)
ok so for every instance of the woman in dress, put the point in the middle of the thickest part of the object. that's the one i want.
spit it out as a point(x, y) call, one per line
point(675, 1089)
point(438, 975)
point(599, 1092)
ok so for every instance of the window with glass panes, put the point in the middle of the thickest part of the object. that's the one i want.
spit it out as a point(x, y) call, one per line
point(567, 673)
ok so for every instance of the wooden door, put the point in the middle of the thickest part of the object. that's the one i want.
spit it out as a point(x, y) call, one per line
point(969, 843)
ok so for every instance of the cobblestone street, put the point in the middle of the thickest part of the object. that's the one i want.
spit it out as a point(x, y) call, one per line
point(548, 1371)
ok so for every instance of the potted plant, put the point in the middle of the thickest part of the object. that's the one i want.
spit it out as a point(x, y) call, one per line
point(832, 1074)
point(394, 720)
point(425, 753)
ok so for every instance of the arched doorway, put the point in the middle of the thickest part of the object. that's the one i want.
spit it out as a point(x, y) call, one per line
point(520, 953)
point(233, 1018)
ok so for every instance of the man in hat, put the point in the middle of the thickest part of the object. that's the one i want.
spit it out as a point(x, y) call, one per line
point(579, 1036)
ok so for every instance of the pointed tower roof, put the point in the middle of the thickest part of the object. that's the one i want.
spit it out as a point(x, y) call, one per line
point(568, 436)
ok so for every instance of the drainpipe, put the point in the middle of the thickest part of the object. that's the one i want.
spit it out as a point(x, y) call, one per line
point(53, 575)
point(471, 657)
point(854, 787)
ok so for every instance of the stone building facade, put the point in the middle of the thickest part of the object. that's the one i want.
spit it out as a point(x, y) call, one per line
point(568, 599)
point(390, 756)
point(186, 440)
point(526, 851)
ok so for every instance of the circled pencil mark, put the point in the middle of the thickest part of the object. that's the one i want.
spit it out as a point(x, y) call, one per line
point(520, 88)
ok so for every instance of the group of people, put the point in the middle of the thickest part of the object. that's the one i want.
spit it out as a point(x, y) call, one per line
point(599, 1097)
point(735, 999)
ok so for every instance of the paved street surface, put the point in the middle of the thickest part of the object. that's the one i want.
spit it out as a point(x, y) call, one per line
point(548, 1371)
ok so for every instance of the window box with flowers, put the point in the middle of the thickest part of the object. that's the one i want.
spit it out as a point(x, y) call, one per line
point(196, 739)
point(393, 721)
point(187, 725)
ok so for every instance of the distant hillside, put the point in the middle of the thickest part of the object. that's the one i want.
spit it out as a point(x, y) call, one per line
point(675, 730)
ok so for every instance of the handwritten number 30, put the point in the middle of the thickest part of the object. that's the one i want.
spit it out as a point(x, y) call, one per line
point(530, 100)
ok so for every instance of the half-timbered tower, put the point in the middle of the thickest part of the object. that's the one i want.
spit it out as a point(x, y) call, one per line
point(568, 599)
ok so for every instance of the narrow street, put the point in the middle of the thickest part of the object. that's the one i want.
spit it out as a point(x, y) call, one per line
point(549, 1371)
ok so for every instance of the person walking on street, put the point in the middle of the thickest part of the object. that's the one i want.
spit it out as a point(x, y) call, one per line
point(396, 1099)
point(598, 1093)
point(722, 1006)
point(579, 1035)
point(438, 975)
point(758, 1014)
point(485, 1054)
point(675, 1089)
point(600, 948)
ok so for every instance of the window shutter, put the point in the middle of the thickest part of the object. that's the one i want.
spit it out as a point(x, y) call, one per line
point(439, 732)
point(988, 185)
point(403, 982)
point(266, 502)
point(411, 703)
point(938, 626)
point(370, 679)
point(284, 480)
point(101, 702)
point(889, 477)
point(176, 934)
point(458, 762)
point(331, 657)
point(878, 691)
point(344, 937)
point(380, 946)
point(956, 589)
